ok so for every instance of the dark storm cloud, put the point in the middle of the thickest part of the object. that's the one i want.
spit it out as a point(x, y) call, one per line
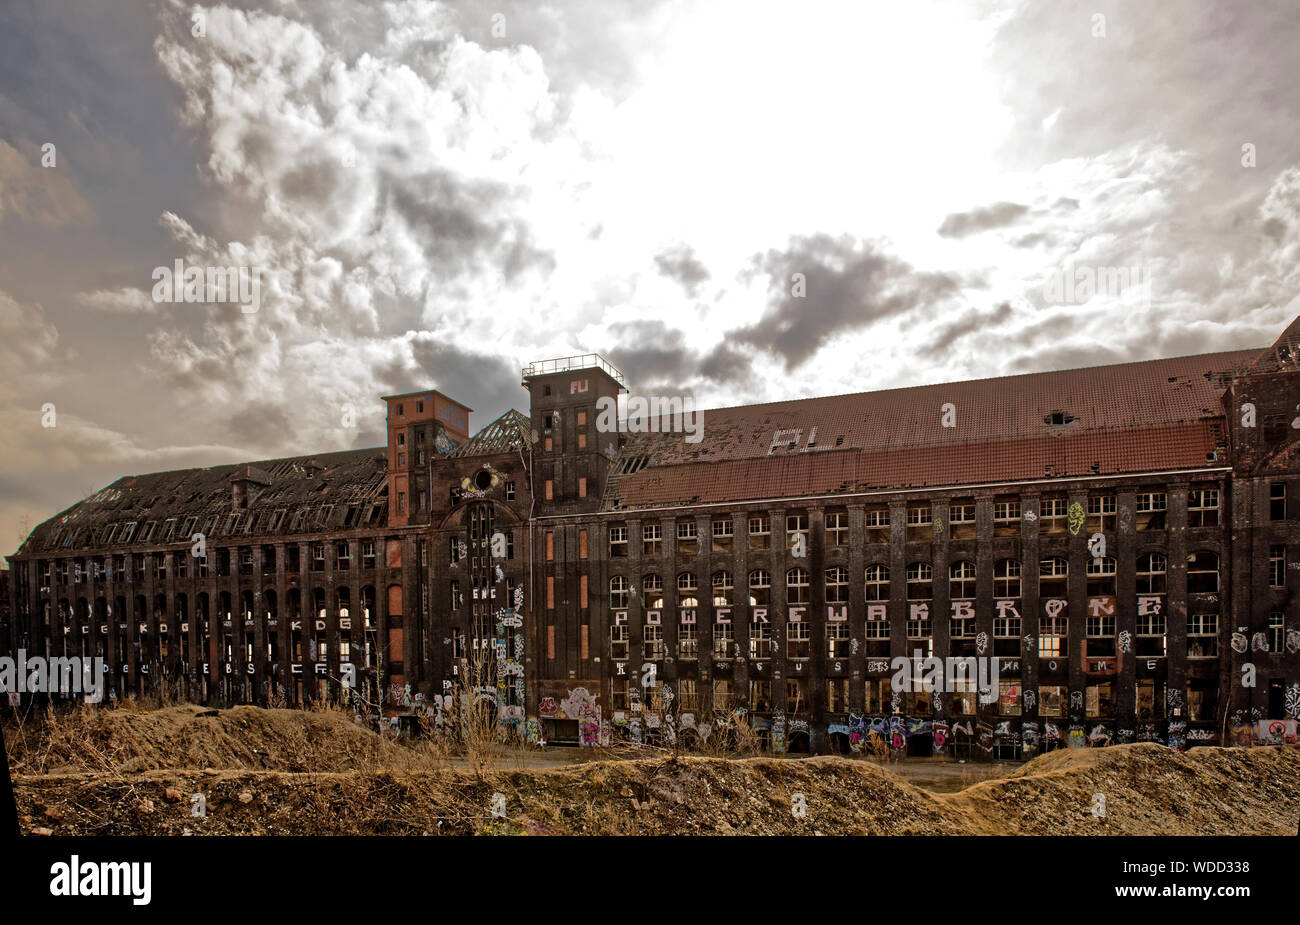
point(459, 224)
point(262, 424)
point(654, 356)
point(972, 322)
point(983, 218)
point(488, 384)
point(650, 352)
point(849, 286)
point(680, 263)
point(725, 364)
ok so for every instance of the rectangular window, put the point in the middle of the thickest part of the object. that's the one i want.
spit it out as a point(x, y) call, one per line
point(1151, 508)
point(760, 640)
point(510, 491)
point(652, 539)
point(582, 487)
point(688, 639)
point(582, 591)
point(1101, 514)
point(618, 638)
point(796, 525)
point(1276, 632)
point(722, 533)
point(724, 639)
point(760, 531)
point(837, 638)
point(550, 593)
point(961, 517)
point(1099, 700)
point(550, 490)
point(550, 641)
point(550, 545)
point(918, 515)
point(1277, 566)
point(688, 541)
point(1052, 699)
point(837, 529)
point(1053, 515)
point(798, 639)
point(654, 643)
point(1277, 501)
point(1203, 507)
point(617, 541)
point(1203, 635)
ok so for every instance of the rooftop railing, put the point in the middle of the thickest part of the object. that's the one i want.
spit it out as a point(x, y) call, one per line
point(566, 364)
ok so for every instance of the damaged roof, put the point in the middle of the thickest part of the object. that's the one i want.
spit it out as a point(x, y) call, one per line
point(1131, 417)
point(298, 494)
point(508, 433)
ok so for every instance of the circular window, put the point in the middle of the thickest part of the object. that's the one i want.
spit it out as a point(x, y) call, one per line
point(483, 480)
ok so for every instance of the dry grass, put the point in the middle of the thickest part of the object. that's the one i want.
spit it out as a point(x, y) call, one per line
point(132, 770)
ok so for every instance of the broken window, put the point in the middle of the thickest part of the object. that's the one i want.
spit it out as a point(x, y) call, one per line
point(1203, 573)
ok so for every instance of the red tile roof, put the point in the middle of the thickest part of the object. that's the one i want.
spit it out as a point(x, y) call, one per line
point(1147, 416)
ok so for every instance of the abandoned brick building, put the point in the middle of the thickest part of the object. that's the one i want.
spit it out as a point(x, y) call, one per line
point(1123, 539)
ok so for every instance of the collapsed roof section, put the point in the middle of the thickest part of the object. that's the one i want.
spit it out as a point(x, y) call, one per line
point(300, 494)
point(507, 434)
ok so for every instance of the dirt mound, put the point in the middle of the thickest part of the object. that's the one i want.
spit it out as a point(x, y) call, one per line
point(1144, 789)
point(1148, 790)
point(188, 736)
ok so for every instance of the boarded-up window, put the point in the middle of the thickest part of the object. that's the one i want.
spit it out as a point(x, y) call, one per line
point(582, 591)
point(550, 490)
point(548, 444)
point(550, 593)
point(582, 544)
point(550, 642)
point(582, 441)
point(582, 641)
point(582, 488)
point(395, 649)
point(395, 600)
point(393, 554)
point(550, 545)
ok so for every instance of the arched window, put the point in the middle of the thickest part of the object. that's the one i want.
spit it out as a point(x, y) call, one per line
point(920, 581)
point(652, 592)
point(796, 586)
point(1101, 577)
point(618, 593)
point(1006, 578)
point(961, 580)
point(837, 585)
point(688, 589)
point(1053, 577)
point(760, 587)
point(1151, 573)
point(1203, 573)
point(723, 587)
point(877, 583)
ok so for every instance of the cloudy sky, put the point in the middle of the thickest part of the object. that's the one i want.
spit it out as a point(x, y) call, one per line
point(736, 201)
